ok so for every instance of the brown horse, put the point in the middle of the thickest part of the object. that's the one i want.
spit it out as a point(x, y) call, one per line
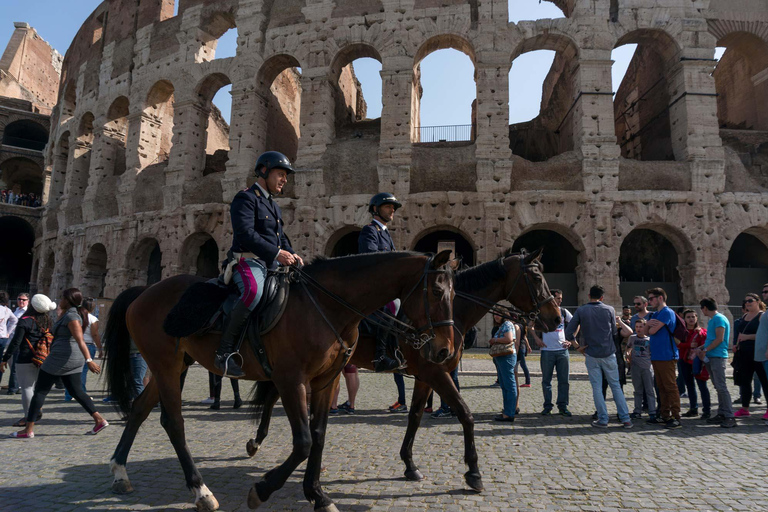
point(516, 278)
point(300, 363)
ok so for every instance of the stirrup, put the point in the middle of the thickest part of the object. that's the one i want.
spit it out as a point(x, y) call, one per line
point(400, 358)
point(225, 371)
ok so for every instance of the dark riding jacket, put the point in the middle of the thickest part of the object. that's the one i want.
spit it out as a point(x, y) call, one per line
point(373, 238)
point(257, 223)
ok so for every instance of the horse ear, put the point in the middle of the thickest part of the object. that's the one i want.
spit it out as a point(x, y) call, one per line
point(441, 259)
point(535, 255)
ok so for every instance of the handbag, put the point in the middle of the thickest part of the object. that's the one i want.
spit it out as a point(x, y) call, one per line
point(501, 349)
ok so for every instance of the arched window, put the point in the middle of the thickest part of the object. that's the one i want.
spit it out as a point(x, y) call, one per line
point(447, 239)
point(648, 259)
point(157, 126)
point(524, 10)
point(279, 87)
point(747, 267)
point(25, 134)
point(146, 261)
point(22, 175)
point(95, 271)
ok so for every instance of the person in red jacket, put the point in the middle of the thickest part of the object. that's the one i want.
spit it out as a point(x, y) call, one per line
point(695, 338)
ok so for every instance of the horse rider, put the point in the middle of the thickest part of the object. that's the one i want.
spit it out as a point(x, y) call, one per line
point(375, 237)
point(258, 245)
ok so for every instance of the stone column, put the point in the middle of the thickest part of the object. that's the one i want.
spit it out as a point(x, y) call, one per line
point(494, 164)
point(135, 156)
point(187, 158)
point(97, 170)
point(247, 138)
point(605, 269)
point(594, 133)
point(317, 130)
point(396, 124)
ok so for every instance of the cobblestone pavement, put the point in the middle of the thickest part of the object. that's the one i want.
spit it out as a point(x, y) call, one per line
point(538, 463)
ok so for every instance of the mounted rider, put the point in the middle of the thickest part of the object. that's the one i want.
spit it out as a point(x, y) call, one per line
point(258, 245)
point(375, 237)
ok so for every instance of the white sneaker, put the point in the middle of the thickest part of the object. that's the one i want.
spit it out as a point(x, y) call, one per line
point(208, 400)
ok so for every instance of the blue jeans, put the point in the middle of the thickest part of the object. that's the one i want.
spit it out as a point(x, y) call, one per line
point(400, 383)
point(555, 360)
point(505, 368)
point(138, 371)
point(606, 367)
point(84, 374)
point(691, 382)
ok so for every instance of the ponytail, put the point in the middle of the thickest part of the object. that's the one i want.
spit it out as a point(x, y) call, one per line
point(74, 298)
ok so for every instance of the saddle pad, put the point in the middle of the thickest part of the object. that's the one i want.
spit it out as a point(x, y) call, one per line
point(195, 308)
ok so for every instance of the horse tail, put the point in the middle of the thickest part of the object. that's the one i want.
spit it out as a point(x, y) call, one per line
point(261, 390)
point(117, 349)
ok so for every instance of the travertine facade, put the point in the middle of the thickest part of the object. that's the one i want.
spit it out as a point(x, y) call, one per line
point(678, 158)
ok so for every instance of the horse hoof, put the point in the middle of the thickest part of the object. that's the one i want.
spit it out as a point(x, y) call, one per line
point(122, 487)
point(254, 501)
point(475, 481)
point(207, 504)
point(327, 508)
point(252, 447)
point(414, 475)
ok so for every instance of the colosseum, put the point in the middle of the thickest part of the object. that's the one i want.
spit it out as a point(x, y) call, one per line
point(663, 181)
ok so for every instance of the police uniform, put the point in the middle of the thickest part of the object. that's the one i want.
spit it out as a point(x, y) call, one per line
point(374, 238)
point(258, 229)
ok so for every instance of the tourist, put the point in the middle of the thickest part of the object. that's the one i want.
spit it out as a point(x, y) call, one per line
point(626, 314)
point(65, 359)
point(22, 303)
point(504, 346)
point(761, 341)
point(664, 355)
point(92, 340)
point(352, 381)
point(525, 349)
point(641, 310)
point(695, 338)
point(745, 349)
point(7, 322)
point(31, 328)
point(554, 357)
point(214, 389)
point(714, 354)
point(641, 369)
point(598, 328)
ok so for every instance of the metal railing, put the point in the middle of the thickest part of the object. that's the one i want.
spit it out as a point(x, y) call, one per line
point(450, 133)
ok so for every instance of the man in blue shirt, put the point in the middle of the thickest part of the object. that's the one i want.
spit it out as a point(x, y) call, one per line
point(664, 357)
point(714, 353)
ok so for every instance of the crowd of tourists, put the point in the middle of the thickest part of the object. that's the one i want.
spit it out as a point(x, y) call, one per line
point(10, 197)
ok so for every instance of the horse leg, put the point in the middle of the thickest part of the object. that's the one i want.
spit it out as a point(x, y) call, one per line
point(421, 392)
point(169, 384)
point(320, 406)
point(141, 408)
point(294, 396)
point(252, 446)
point(443, 384)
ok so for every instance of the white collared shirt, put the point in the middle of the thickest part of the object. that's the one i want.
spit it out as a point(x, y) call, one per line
point(266, 194)
point(383, 226)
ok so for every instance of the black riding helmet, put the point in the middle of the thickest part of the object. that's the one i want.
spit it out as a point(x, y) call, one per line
point(381, 199)
point(272, 160)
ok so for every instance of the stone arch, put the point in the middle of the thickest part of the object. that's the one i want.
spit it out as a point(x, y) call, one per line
point(654, 255)
point(741, 82)
point(278, 85)
point(747, 266)
point(156, 137)
point(212, 28)
point(563, 257)
point(116, 133)
point(16, 254)
point(643, 113)
point(69, 100)
point(22, 175)
point(94, 271)
point(199, 255)
point(441, 237)
point(60, 162)
point(25, 134)
point(80, 170)
point(350, 103)
point(145, 261)
point(552, 131)
point(216, 129)
point(343, 242)
point(433, 44)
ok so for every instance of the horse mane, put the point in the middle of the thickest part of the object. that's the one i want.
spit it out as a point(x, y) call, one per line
point(355, 262)
point(476, 278)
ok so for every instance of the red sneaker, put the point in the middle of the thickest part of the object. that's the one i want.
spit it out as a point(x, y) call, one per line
point(398, 407)
point(98, 428)
point(428, 410)
point(525, 385)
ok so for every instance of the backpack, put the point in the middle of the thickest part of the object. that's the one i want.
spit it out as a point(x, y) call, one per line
point(680, 333)
point(41, 348)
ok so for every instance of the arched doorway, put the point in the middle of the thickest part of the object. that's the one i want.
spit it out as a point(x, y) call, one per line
point(648, 259)
point(443, 239)
point(147, 262)
point(16, 257)
point(200, 256)
point(747, 268)
point(95, 271)
point(344, 245)
point(560, 260)
point(22, 175)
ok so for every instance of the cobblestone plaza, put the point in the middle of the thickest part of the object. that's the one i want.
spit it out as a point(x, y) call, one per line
point(538, 463)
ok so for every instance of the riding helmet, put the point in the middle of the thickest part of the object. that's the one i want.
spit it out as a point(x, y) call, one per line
point(272, 160)
point(381, 199)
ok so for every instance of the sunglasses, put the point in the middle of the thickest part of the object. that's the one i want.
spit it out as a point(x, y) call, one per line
point(749, 301)
point(23, 300)
point(638, 303)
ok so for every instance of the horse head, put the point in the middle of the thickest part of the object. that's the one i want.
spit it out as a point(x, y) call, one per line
point(429, 306)
point(526, 288)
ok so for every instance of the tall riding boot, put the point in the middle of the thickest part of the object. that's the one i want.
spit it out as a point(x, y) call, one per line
point(223, 362)
point(382, 362)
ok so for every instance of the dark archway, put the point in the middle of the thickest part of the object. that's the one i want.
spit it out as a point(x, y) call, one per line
point(560, 259)
point(208, 259)
point(25, 134)
point(22, 175)
point(146, 261)
point(95, 271)
point(444, 239)
point(16, 257)
point(747, 267)
point(346, 245)
point(648, 259)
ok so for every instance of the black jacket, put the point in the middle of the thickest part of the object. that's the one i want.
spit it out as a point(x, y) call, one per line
point(374, 239)
point(26, 329)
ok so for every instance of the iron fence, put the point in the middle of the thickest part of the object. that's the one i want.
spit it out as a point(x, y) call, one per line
point(450, 133)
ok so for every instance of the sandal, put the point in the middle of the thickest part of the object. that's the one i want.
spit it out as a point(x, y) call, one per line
point(98, 428)
point(21, 423)
point(21, 435)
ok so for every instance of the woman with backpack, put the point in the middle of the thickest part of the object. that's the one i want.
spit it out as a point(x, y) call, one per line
point(32, 328)
point(65, 359)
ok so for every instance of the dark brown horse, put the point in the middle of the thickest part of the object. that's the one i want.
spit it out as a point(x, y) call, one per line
point(300, 363)
point(516, 278)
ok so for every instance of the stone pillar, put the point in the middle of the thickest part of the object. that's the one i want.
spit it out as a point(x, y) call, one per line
point(135, 155)
point(97, 170)
point(317, 130)
point(187, 158)
point(593, 124)
point(605, 268)
point(693, 120)
point(247, 138)
point(396, 126)
point(494, 164)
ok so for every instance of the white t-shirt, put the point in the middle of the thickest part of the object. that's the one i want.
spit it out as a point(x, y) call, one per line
point(92, 320)
point(554, 340)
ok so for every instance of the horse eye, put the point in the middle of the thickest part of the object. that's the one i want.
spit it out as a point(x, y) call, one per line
point(437, 292)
